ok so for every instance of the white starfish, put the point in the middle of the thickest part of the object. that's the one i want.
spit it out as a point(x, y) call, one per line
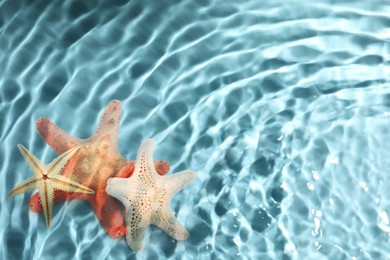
point(47, 179)
point(147, 196)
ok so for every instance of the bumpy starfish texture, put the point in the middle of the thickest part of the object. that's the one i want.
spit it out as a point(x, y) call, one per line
point(47, 179)
point(147, 196)
point(97, 160)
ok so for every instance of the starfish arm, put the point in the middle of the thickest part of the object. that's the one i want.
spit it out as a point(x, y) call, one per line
point(109, 125)
point(135, 228)
point(109, 213)
point(144, 166)
point(46, 193)
point(166, 220)
point(59, 197)
point(119, 188)
point(54, 136)
point(36, 166)
point(60, 182)
point(176, 182)
point(59, 163)
point(25, 186)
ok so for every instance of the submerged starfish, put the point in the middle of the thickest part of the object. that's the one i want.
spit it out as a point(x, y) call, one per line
point(97, 160)
point(47, 179)
point(147, 196)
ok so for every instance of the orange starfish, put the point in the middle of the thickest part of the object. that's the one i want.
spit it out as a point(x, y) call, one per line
point(97, 160)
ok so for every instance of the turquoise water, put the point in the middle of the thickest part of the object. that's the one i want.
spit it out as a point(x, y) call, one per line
point(282, 109)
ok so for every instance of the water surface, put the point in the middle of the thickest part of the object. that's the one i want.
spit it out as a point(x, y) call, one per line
point(281, 107)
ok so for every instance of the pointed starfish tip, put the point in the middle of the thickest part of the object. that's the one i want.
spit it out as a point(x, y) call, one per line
point(40, 120)
point(114, 106)
point(9, 195)
point(42, 123)
point(20, 146)
point(115, 102)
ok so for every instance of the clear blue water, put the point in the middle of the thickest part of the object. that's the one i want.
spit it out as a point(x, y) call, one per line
point(281, 107)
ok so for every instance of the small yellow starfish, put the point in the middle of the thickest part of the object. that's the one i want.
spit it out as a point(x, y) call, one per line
point(47, 179)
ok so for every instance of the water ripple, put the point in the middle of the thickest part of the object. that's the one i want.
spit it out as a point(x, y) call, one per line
point(281, 109)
